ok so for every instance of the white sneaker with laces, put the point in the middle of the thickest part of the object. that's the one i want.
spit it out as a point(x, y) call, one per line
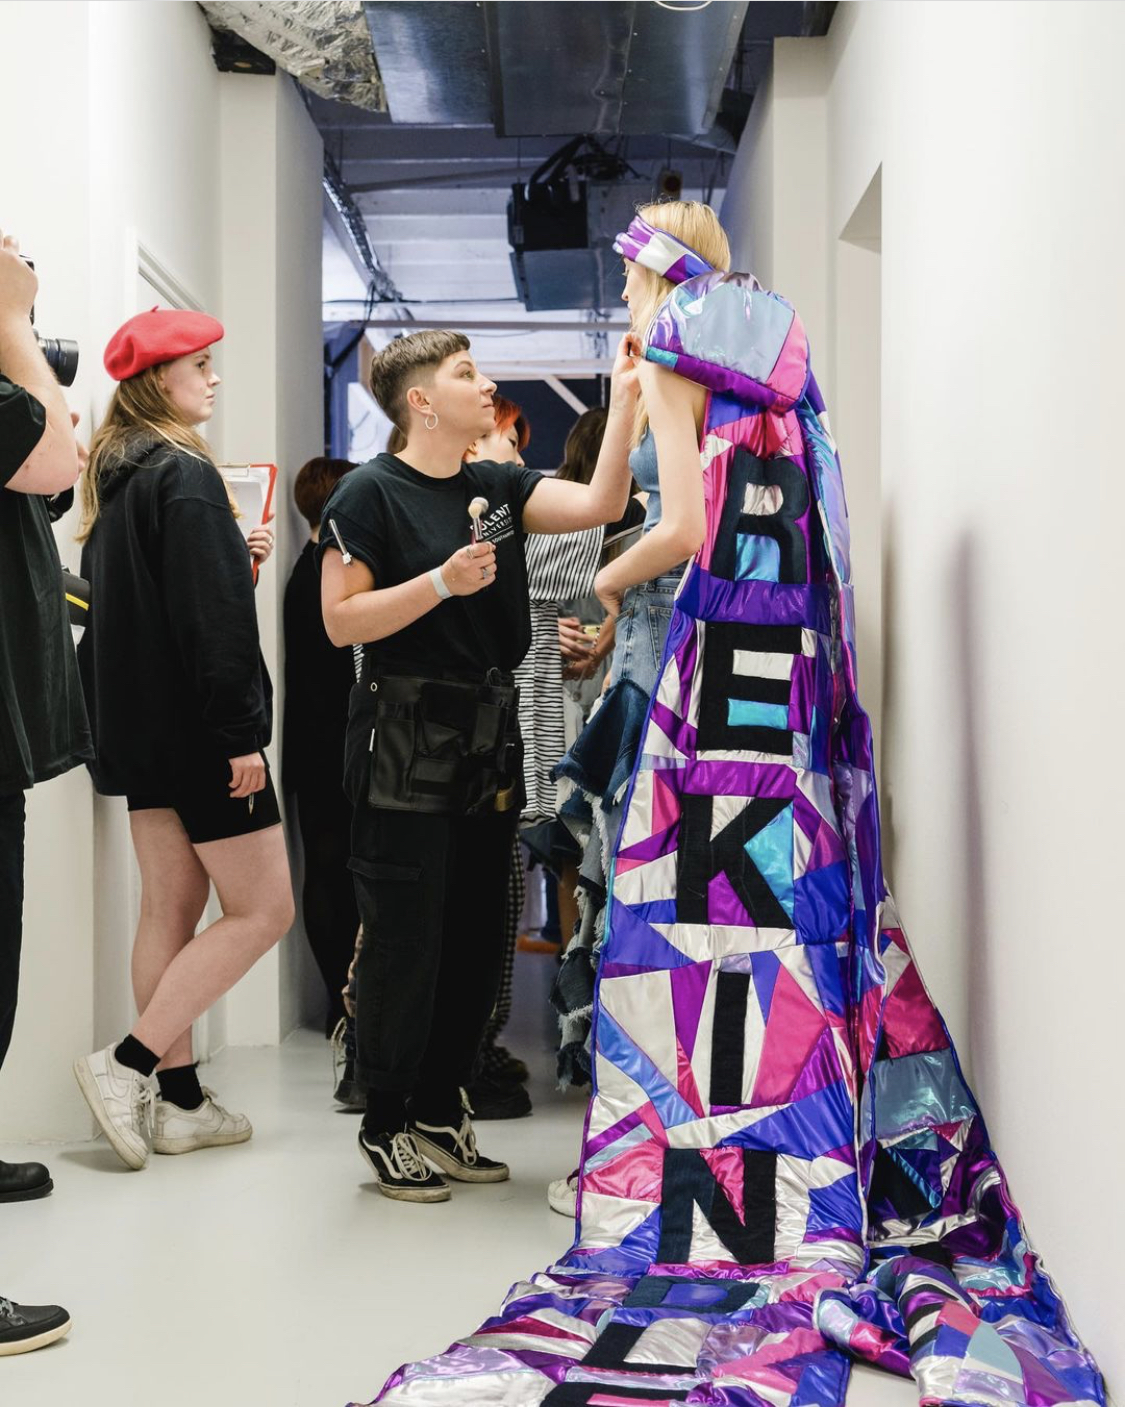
point(179, 1130)
point(562, 1195)
point(121, 1101)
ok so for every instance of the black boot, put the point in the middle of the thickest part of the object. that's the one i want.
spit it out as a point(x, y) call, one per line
point(24, 1181)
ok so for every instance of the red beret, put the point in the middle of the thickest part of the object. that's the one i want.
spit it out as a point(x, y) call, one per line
point(158, 337)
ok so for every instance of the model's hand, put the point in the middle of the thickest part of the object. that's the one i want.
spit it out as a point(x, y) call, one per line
point(247, 775)
point(18, 282)
point(470, 569)
point(574, 643)
point(624, 385)
point(608, 595)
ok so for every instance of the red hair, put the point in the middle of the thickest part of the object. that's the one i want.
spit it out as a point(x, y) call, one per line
point(508, 415)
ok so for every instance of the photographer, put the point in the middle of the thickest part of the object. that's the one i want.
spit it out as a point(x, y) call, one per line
point(43, 729)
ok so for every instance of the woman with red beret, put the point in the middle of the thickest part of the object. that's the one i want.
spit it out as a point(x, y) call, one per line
point(180, 705)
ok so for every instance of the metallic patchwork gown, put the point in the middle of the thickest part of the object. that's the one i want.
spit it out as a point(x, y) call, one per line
point(783, 1167)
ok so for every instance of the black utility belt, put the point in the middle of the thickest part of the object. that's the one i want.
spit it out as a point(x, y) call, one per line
point(444, 746)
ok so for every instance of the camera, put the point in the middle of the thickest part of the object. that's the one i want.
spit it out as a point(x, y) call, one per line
point(61, 353)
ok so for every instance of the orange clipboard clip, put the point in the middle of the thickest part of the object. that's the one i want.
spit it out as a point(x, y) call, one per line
point(252, 485)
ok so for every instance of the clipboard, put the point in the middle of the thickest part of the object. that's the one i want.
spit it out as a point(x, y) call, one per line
point(252, 485)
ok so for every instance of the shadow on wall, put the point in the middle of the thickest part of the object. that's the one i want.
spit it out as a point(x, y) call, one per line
point(885, 750)
point(963, 591)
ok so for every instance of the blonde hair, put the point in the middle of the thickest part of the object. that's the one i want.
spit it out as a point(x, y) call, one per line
point(138, 409)
point(696, 225)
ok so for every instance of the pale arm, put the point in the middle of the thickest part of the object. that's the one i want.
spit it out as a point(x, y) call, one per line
point(53, 463)
point(675, 409)
point(354, 610)
point(556, 507)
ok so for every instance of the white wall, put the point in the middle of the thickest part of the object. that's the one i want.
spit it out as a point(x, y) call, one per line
point(139, 152)
point(271, 165)
point(999, 131)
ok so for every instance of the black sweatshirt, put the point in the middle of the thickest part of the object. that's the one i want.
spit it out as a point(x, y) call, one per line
point(170, 660)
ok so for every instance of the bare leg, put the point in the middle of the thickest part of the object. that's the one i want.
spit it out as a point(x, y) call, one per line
point(174, 890)
point(251, 876)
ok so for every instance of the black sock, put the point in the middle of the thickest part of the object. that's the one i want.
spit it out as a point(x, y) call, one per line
point(384, 1113)
point(439, 1106)
point(180, 1086)
point(132, 1053)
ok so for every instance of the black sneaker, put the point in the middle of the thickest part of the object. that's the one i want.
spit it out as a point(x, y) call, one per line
point(348, 1093)
point(24, 1181)
point(454, 1150)
point(351, 1096)
point(400, 1170)
point(27, 1326)
point(496, 1062)
point(492, 1099)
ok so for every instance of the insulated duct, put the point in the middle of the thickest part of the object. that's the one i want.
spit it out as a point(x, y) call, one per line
point(324, 44)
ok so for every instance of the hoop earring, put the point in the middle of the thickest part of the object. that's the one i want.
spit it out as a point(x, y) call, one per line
point(430, 425)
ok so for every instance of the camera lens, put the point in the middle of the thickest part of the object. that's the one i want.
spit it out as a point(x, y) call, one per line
point(62, 357)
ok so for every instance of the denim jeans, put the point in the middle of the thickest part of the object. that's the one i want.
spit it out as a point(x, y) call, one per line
point(642, 626)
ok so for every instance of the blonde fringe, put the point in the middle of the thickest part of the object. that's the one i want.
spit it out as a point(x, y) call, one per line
point(138, 408)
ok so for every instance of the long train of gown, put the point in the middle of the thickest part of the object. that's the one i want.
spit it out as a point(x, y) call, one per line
point(783, 1167)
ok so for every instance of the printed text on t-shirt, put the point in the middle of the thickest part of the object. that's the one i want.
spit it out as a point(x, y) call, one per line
point(498, 525)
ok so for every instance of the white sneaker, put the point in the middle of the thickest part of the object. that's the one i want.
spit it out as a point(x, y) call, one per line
point(562, 1195)
point(188, 1129)
point(121, 1100)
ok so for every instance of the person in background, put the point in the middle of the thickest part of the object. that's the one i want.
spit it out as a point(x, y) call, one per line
point(43, 730)
point(583, 653)
point(318, 681)
point(180, 705)
point(497, 1088)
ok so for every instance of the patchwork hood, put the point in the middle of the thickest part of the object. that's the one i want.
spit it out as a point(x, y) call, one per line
point(726, 332)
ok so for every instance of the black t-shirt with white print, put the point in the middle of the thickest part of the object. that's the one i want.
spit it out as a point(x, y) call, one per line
point(402, 523)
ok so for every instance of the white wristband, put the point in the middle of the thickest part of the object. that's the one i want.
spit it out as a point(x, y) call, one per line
point(440, 587)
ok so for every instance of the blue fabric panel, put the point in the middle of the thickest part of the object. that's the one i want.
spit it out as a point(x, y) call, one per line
point(759, 557)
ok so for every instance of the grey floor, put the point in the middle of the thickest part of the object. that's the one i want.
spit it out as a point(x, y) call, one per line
point(274, 1274)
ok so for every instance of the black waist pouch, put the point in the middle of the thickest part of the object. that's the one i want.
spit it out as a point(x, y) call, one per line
point(445, 747)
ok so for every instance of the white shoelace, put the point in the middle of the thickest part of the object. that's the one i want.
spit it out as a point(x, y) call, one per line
point(7, 1309)
point(410, 1162)
point(467, 1140)
point(339, 1057)
point(143, 1103)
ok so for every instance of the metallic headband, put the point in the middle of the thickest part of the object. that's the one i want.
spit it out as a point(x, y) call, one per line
point(659, 251)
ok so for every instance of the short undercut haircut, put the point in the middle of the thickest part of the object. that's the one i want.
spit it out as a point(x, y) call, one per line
point(395, 368)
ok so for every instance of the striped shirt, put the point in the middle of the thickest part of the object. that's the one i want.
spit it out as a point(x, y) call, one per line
point(559, 567)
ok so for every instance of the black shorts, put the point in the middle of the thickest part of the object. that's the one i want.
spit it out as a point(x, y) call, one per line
point(205, 808)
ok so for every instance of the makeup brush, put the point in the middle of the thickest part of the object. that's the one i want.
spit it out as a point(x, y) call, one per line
point(478, 506)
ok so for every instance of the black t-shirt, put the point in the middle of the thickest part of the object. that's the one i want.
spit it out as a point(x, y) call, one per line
point(402, 523)
point(43, 729)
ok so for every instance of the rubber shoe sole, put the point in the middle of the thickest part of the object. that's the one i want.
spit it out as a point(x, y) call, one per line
point(176, 1146)
point(34, 1341)
point(445, 1162)
point(31, 1193)
point(425, 1195)
point(92, 1094)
